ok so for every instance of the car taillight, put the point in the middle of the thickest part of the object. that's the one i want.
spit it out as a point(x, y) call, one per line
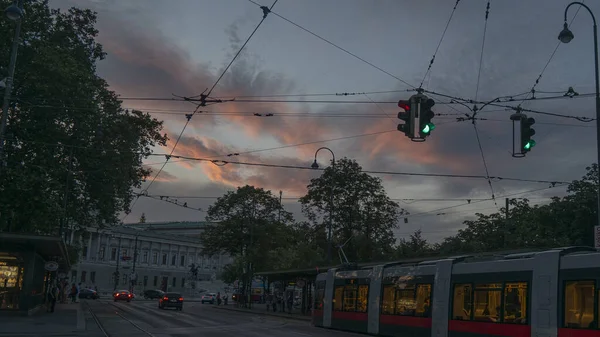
point(129, 295)
point(181, 298)
point(165, 298)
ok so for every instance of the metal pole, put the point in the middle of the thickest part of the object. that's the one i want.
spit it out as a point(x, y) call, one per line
point(9, 85)
point(134, 261)
point(66, 196)
point(117, 267)
point(506, 223)
point(280, 206)
point(331, 212)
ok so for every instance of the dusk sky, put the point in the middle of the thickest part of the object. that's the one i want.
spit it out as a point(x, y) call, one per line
point(157, 48)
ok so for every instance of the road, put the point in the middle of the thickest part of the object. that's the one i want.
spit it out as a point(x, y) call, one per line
point(144, 319)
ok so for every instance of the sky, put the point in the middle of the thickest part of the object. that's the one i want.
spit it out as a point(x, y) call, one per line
point(161, 48)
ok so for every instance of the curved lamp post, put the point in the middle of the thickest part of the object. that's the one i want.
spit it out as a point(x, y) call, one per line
point(15, 13)
point(315, 165)
point(566, 36)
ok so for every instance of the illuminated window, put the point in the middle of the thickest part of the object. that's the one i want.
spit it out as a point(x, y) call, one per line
point(405, 300)
point(387, 305)
point(423, 305)
point(487, 302)
point(363, 298)
point(461, 309)
point(515, 303)
point(337, 298)
point(350, 298)
point(579, 304)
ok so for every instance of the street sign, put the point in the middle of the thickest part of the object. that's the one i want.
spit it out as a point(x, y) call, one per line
point(597, 236)
point(51, 266)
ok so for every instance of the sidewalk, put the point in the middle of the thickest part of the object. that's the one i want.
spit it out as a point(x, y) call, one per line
point(261, 309)
point(66, 320)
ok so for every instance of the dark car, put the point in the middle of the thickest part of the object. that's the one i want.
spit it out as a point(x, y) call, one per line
point(171, 300)
point(89, 293)
point(153, 294)
point(122, 295)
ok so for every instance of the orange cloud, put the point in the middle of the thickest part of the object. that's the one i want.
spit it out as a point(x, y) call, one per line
point(162, 177)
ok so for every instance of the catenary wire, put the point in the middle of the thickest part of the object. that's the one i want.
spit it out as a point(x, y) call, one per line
point(338, 47)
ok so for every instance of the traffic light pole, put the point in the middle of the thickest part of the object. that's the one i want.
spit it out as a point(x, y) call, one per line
point(118, 264)
point(135, 253)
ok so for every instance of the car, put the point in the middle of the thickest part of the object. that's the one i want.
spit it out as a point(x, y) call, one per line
point(209, 297)
point(88, 293)
point(171, 300)
point(153, 294)
point(122, 295)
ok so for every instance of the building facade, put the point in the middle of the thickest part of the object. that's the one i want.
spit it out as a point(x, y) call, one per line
point(148, 256)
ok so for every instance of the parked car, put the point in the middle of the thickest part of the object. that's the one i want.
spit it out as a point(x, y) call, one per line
point(88, 293)
point(171, 300)
point(153, 294)
point(209, 297)
point(122, 295)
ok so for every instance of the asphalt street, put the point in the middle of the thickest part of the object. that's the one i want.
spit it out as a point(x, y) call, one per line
point(144, 318)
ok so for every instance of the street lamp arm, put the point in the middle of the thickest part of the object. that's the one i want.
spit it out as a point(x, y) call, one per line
point(582, 5)
point(325, 148)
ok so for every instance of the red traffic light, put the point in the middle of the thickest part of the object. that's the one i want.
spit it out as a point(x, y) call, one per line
point(404, 105)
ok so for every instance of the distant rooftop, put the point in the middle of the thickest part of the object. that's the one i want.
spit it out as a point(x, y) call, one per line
point(142, 232)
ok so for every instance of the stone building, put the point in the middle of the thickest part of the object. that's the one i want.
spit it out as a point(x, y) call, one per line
point(165, 252)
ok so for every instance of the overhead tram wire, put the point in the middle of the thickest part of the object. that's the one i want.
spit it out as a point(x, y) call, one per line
point(439, 44)
point(338, 47)
point(204, 97)
point(537, 80)
point(474, 122)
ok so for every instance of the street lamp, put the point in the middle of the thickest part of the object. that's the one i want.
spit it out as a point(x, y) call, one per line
point(13, 12)
point(566, 36)
point(330, 225)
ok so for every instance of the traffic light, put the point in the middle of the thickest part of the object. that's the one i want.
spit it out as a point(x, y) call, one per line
point(405, 116)
point(425, 124)
point(526, 133)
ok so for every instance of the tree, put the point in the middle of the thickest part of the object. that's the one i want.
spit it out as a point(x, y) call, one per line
point(69, 142)
point(247, 224)
point(364, 216)
point(415, 246)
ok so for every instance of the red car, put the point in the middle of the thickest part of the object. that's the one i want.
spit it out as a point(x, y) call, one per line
point(122, 295)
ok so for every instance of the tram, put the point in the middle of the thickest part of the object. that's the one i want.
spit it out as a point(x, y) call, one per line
point(551, 293)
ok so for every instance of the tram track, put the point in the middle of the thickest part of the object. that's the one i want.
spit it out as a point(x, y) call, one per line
point(102, 327)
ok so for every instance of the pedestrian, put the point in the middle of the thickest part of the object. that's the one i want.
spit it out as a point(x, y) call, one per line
point(53, 294)
point(78, 291)
point(219, 298)
point(290, 301)
point(73, 293)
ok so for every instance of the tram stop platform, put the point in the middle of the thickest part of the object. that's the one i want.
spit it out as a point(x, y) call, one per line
point(66, 320)
point(261, 309)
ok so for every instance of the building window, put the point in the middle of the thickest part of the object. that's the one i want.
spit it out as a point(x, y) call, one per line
point(483, 302)
point(173, 259)
point(93, 277)
point(113, 254)
point(145, 257)
point(183, 282)
point(164, 259)
point(155, 281)
point(124, 278)
point(579, 304)
point(155, 258)
point(123, 252)
point(182, 260)
point(74, 275)
point(174, 284)
point(101, 254)
point(146, 281)
point(84, 253)
point(83, 275)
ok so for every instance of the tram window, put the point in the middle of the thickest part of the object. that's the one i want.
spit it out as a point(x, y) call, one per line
point(423, 305)
point(387, 305)
point(487, 302)
point(337, 298)
point(350, 298)
point(515, 303)
point(405, 301)
point(363, 298)
point(462, 302)
point(579, 304)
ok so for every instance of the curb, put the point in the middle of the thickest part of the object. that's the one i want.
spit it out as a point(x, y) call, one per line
point(246, 311)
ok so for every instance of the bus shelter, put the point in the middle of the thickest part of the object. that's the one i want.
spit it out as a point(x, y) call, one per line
point(27, 263)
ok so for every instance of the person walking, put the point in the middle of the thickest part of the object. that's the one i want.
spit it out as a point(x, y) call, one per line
point(53, 294)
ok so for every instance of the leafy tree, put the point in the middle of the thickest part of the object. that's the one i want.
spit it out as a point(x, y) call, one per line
point(67, 135)
point(364, 216)
point(248, 224)
point(415, 246)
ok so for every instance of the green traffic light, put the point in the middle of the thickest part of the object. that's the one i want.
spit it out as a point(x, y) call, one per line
point(428, 128)
point(529, 144)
